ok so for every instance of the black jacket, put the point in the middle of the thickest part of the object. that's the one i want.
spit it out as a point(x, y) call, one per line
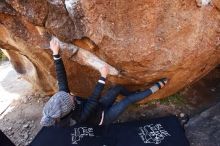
point(85, 110)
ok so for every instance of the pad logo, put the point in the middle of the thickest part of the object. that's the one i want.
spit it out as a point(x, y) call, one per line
point(81, 132)
point(153, 133)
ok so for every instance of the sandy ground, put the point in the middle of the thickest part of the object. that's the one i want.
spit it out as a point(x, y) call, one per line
point(21, 107)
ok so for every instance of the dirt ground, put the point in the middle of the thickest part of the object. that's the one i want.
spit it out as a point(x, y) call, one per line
point(21, 107)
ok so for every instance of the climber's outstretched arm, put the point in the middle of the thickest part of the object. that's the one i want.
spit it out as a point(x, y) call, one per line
point(92, 101)
point(59, 67)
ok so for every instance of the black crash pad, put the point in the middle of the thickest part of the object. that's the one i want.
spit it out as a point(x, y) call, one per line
point(4, 140)
point(165, 131)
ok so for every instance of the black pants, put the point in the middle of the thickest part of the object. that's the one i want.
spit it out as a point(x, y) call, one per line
point(113, 111)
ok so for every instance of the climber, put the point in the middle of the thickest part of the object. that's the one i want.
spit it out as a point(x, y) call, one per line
point(64, 109)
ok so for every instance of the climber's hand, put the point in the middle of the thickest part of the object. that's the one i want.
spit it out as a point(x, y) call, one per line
point(104, 71)
point(54, 46)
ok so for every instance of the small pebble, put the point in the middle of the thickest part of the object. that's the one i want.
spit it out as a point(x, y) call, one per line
point(182, 115)
point(26, 126)
point(143, 115)
point(26, 136)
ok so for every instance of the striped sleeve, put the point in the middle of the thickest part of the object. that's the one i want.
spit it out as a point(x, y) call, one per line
point(101, 80)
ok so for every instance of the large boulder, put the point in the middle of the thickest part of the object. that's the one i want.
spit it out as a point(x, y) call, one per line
point(204, 128)
point(142, 41)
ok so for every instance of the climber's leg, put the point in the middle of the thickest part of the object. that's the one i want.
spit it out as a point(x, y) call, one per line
point(114, 111)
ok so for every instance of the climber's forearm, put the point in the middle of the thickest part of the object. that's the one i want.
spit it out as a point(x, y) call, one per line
point(92, 101)
point(101, 82)
point(61, 73)
point(98, 88)
point(59, 67)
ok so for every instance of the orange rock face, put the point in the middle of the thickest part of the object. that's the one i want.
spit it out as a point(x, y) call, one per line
point(142, 41)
